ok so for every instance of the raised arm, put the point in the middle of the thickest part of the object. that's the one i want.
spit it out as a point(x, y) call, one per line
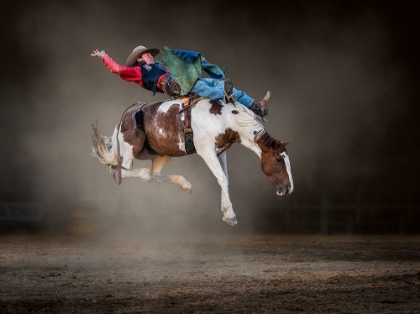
point(129, 74)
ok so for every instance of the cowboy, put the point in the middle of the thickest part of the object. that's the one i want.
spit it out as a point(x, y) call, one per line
point(142, 69)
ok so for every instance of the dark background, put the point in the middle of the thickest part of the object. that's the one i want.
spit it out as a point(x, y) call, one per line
point(344, 81)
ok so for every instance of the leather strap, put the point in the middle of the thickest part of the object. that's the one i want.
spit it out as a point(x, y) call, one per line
point(188, 132)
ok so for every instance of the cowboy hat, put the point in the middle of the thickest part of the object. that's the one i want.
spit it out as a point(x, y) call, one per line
point(138, 52)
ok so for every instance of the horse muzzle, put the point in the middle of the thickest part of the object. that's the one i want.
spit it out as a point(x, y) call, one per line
point(284, 191)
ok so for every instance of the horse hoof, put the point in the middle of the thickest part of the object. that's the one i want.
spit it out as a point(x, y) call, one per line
point(230, 221)
point(187, 188)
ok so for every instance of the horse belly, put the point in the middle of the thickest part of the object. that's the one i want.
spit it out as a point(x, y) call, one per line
point(167, 144)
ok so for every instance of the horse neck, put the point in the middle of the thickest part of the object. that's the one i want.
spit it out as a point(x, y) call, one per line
point(253, 137)
point(264, 140)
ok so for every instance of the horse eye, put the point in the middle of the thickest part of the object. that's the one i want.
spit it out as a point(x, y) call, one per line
point(280, 159)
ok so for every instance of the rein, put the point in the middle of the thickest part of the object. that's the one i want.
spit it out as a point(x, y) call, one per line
point(119, 166)
point(192, 101)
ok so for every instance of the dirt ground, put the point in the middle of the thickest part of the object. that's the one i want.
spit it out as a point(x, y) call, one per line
point(201, 274)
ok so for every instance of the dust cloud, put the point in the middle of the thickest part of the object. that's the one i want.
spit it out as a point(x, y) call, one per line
point(337, 86)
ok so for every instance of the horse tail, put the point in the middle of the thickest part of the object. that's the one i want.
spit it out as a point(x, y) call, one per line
point(102, 149)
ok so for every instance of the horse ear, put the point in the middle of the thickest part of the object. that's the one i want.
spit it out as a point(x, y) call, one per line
point(264, 101)
point(286, 142)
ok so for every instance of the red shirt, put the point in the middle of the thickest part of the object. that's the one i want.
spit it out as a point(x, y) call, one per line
point(129, 74)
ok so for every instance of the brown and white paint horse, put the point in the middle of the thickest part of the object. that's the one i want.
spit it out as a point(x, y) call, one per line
point(216, 127)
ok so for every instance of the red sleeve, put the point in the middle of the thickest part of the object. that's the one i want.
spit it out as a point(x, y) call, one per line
point(129, 74)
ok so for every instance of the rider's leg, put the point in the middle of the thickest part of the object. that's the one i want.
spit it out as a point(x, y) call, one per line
point(208, 88)
point(258, 108)
point(242, 97)
point(215, 89)
point(245, 100)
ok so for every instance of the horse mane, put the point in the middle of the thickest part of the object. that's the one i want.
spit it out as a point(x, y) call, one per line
point(264, 140)
point(246, 118)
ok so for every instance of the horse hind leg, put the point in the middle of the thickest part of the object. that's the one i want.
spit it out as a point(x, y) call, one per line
point(157, 165)
point(153, 174)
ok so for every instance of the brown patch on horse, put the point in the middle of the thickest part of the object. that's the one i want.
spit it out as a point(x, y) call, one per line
point(132, 135)
point(163, 130)
point(225, 140)
point(235, 111)
point(216, 107)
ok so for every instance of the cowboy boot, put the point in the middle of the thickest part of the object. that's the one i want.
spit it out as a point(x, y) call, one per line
point(259, 108)
point(229, 95)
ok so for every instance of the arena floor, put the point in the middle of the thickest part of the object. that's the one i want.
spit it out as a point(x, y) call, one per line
point(201, 274)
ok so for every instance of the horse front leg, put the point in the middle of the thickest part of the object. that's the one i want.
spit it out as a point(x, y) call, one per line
point(223, 162)
point(218, 167)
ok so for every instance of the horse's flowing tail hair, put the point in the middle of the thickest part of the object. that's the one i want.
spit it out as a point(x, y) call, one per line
point(102, 148)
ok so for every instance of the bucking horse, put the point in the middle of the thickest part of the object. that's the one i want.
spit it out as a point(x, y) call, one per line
point(174, 128)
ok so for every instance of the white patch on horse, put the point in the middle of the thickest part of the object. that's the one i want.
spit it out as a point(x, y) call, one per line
point(164, 107)
point(249, 125)
point(161, 132)
point(181, 143)
point(289, 170)
point(126, 149)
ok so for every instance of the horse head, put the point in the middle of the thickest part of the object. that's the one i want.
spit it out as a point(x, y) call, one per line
point(275, 164)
